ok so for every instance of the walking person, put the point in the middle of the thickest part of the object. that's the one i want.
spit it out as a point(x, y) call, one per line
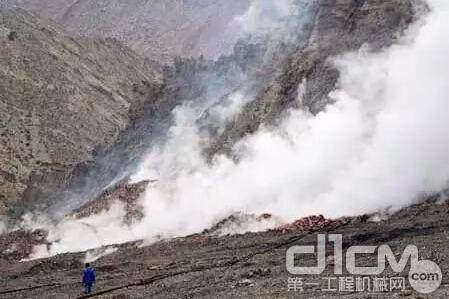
point(88, 278)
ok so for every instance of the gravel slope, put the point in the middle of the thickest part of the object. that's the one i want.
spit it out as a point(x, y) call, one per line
point(240, 266)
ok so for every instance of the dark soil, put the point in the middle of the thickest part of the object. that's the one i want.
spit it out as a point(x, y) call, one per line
point(240, 266)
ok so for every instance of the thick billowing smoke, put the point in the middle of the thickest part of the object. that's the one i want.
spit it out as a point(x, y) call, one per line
point(74, 235)
point(381, 145)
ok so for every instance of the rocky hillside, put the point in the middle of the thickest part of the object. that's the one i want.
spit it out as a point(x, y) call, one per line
point(96, 76)
point(336, 28)
point(160, 29)
point(74, 98)
point(79, 109)
point(60, 99)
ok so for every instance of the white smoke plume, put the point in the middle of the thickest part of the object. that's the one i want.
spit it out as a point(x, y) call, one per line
point(264, 16)
point(76, 235)
point(382, 144)
point(96, 254)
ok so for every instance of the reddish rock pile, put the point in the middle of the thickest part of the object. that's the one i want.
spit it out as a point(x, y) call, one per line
point(311, 223)
point(240, 223)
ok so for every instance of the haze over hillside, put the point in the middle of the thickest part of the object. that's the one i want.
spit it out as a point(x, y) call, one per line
point(159, 29)
point(203, 130)
point(61, 98)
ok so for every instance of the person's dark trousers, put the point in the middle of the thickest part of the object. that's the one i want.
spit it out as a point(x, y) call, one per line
point(87, 288)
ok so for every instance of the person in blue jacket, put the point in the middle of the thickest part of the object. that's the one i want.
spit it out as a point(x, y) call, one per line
point(88, 278)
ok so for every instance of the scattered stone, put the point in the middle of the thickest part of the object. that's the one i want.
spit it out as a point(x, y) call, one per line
point(260, 272)
point(245, 283)
point(12, 36)
point(19, 244)
point(240, 223)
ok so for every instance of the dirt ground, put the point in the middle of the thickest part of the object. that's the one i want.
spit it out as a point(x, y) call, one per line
point(252, 265)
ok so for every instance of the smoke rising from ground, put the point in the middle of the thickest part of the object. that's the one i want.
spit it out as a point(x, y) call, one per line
point(95, 254)
point(381, 145)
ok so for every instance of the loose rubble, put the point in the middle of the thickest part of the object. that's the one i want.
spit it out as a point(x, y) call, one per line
point(126, 193)
point(311, 223)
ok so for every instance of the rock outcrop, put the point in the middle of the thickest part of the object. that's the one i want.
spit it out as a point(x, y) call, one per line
point(126, 194)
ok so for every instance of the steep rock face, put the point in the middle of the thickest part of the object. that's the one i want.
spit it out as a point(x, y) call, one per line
point(338, 26)
point(60, 98)
point(160, 29)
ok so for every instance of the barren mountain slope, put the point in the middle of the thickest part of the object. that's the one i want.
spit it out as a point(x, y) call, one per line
point(160, 29)
point(115, 81)
point(338, 26)
point(60, 98)
point(67, 103)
